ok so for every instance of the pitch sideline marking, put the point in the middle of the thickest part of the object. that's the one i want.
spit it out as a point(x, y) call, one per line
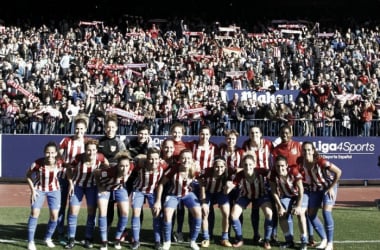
point(338, 242)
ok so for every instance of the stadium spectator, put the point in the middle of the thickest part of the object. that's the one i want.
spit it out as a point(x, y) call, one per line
point(367, 110)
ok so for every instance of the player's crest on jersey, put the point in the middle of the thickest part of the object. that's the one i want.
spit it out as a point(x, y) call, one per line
point(294, 151)
point(104, 174)
point(113, 148)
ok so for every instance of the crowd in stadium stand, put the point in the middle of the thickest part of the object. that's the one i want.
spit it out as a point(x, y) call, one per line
point(165, 70)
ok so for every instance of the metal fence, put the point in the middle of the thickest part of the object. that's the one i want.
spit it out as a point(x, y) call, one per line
point(161, 127)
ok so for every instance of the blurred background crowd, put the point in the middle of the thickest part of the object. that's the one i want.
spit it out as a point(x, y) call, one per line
point(157, 71)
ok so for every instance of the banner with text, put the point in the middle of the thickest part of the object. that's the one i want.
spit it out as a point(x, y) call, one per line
point(358, 157)
point(264, 96)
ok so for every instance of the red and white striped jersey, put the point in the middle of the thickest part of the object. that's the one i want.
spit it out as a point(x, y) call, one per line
point(252, 189)
point(263, 153)
point(147, 180)
point(215, 184)
point(287, 187)
point(71, 148)
point(109, 177)
point(206, 156)
point(179, 186)
point(83, 171)
point(232, 159)
point(46, 178)
point(318, 177)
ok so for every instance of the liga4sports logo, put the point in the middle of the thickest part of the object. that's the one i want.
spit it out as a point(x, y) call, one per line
point(344, 147)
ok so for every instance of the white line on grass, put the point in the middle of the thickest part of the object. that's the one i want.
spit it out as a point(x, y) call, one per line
point(356, 241)
point(7, 241)
point(337, 241)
